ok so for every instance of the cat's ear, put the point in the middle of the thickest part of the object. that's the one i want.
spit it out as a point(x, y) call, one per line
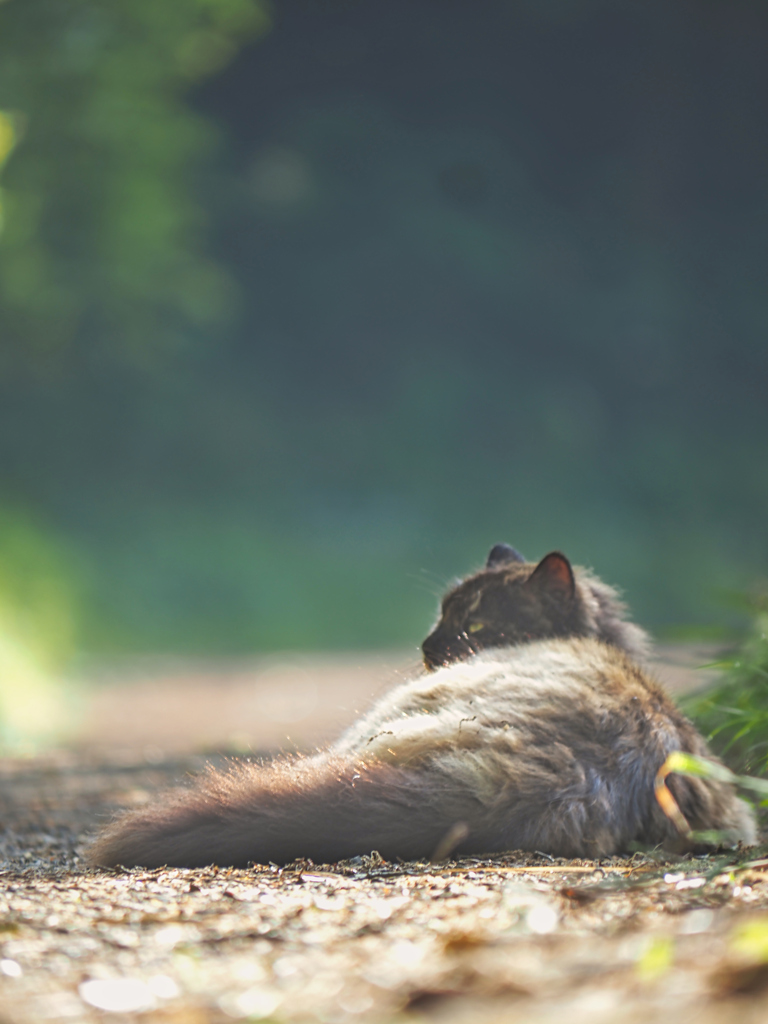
point(502, 554)
point(554, 576)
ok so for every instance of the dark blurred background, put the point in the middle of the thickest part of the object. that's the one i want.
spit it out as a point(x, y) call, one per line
point(306, 305)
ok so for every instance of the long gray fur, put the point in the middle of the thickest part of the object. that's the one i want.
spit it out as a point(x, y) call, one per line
point(551, 746)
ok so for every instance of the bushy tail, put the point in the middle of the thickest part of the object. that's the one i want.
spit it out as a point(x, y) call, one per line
point(323, 808)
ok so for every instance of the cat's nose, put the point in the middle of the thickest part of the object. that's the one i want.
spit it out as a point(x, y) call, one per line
point(431, 651)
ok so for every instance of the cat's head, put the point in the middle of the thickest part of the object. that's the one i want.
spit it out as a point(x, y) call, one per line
point(512, 601)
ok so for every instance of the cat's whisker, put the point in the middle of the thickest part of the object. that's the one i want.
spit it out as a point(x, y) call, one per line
point(433, 587)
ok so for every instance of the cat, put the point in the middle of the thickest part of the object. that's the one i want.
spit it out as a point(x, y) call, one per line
point(535, 729)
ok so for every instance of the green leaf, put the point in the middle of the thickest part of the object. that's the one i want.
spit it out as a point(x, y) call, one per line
point(701, 767)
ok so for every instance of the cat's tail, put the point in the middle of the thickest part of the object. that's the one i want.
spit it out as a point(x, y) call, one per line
point(323, 808)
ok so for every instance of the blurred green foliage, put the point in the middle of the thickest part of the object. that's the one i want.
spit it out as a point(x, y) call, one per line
point(37, 587)
point(100, 242)
point(38, 613)
point(101, 232)
point(292, 332)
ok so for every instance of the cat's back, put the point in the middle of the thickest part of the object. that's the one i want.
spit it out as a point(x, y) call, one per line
point(557, 691)
point(559, 740)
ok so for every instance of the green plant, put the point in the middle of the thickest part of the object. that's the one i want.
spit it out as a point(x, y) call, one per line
point(734, 713)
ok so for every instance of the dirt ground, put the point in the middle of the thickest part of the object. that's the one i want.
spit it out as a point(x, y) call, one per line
point(516, 938)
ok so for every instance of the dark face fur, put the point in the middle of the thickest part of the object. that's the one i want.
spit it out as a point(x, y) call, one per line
point(509, 602)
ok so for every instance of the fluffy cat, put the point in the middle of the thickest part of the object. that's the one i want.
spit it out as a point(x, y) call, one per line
point(535, 730)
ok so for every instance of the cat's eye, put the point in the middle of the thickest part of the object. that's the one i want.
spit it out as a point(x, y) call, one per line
point(475, 627)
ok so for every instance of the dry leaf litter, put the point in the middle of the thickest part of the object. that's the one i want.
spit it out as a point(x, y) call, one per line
point(513, 938)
